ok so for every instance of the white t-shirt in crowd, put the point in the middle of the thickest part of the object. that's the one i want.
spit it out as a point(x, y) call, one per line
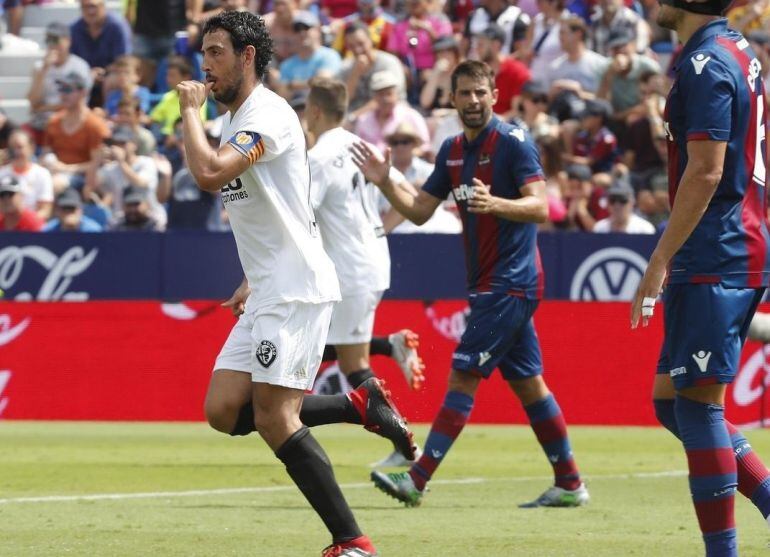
point(269, 209)
point(36, 184)
point(636, 225)
point(347, 212)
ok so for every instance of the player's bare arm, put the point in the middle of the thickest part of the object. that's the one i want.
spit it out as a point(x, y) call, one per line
point(211, 168)
point(532, 206)
point(416, 205)
point(699, 182)
point(237, 302)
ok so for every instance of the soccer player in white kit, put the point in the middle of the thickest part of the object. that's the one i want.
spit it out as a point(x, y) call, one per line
point(346, 206)
point(273, 352)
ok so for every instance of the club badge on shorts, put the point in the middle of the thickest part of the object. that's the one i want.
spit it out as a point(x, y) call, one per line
point(266, 353)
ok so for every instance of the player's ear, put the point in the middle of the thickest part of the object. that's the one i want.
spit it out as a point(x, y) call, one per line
point(249, 53)
point(495, 93)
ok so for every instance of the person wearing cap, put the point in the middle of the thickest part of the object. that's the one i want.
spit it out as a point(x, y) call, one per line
point(310, 59)
point(614, 16)
point(358, 69)
point(620, 83)
point(14, 216)
point(622, 219)
point(68, 215)
point(594, 144)
point(122, 168)
point(712, 262)
point(585, 199)
point(74, 135)
point(580, 69)
point(58, 61)
point(510, 73)
point(36, 181)
point(388, 112)
point(413, 37)
point(532, 111)
point(136, 212)
point(434, 95)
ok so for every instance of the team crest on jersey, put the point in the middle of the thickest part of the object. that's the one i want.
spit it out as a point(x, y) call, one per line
point(266, 353)
point(249, 144)
point(242, 138)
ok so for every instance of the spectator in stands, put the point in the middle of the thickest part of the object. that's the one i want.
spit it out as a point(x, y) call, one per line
point(68, 215)
point(122, 168)
point(7, 127)
point(532, 115)
point(586, 201)
point(620, 201)
point(438, 80)
point(579, 69)
point(378, 22)
point(412, 38)
point(99, 37)
point(513, 21)
point(36, 182)
point(280, 24)
point(57, 62)
point(542, 41)
point(14, 216)
point(388, 113)
point(752, 16)
point(620, 84)
point(136, 213)
point(155, 23)
point(74, 135)
point(550, 148)
point(612, 17)
point(595, 145)
point(123, 78)
point(166, 112)
point(311, 57)
point(510, 74)
point(404, 142)
point(357, 70)
point(14, 13)
point(129, 114)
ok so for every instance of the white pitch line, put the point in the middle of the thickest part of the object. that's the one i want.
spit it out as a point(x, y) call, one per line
point(280, 488)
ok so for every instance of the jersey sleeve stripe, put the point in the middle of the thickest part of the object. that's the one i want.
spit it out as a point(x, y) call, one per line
point(533, 178)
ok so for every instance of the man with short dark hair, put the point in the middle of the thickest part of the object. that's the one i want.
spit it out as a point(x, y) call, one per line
point(579, 69)
point(713, 259)
point(493, 171)
point(285, 301)
point(510, 74)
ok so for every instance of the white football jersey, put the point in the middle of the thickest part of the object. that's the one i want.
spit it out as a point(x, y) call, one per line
point(346, 208)
point(269, 207)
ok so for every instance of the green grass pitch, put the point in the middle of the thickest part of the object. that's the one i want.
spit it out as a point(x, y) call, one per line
point(97, 489)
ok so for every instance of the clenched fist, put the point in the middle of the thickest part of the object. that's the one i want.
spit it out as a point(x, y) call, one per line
point(192, 94)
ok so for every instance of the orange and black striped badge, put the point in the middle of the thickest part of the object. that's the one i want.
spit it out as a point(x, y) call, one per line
point(249, 144)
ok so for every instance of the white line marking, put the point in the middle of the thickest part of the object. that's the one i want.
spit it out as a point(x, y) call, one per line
point(280, 488)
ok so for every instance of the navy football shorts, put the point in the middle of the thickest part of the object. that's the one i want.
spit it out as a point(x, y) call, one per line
point(705, 327)
point(500, 334)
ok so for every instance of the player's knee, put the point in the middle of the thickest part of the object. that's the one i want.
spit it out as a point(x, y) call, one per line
point(529, 390)
point(221, 415)
point(463, 382)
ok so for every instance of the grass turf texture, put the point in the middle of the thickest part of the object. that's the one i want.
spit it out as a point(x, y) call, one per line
point(640, 503)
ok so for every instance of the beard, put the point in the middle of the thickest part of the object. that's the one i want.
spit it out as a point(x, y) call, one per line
point(229, 94)
point(476, 121)
point(669, 17)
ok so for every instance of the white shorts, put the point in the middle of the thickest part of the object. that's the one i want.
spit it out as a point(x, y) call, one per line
point(353, 319)
point(281, 344)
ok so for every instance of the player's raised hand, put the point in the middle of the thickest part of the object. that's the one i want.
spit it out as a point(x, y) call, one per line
point(374, 167)
point(650, 287)
point(482, 202)
point(192, 94)
point(237, 302)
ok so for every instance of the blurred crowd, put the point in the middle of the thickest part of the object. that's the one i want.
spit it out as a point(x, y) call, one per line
point(102, 149)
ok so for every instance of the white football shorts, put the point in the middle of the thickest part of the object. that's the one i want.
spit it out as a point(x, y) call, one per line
point(281, 344)
point(353, 318)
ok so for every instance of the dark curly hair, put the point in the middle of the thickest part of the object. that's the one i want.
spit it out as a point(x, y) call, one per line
point(245, 29)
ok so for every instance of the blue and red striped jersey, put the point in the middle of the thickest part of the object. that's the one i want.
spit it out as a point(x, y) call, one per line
point(501, 255)
point(718, 95)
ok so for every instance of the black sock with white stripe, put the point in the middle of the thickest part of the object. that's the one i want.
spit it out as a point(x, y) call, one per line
point(309, 467)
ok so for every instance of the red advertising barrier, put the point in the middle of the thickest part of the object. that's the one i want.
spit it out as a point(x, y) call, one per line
point(149, 361)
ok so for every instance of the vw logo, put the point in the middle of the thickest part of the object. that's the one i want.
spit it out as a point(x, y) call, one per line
point(610, 274)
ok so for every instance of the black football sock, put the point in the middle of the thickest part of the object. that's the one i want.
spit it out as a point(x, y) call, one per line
point(245, 422)
point(357, 377)
point(328, 409)
point(330, 353)
point(380, 346)
point(309, 467)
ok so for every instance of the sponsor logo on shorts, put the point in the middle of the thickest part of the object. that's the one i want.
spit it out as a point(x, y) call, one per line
point(677, 371)
point(300, 374)
point(266, 353)
point(461, 357)
point(702, 359)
